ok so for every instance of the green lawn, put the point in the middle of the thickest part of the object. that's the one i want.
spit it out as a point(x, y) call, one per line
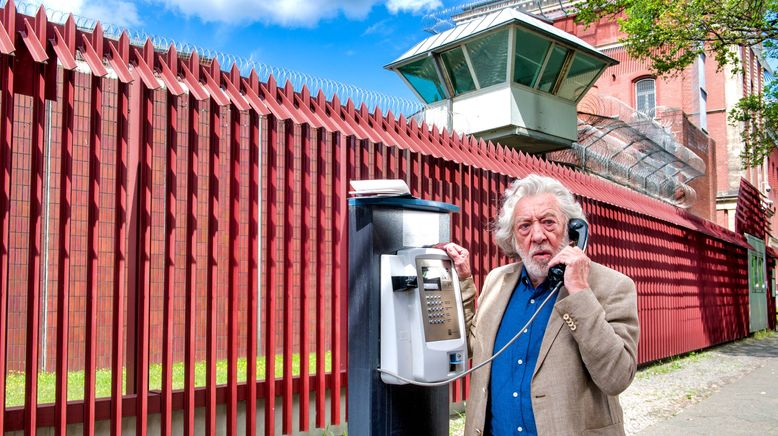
point(47, 380)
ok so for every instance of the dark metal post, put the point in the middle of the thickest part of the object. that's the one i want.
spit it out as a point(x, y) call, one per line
point(376, 227)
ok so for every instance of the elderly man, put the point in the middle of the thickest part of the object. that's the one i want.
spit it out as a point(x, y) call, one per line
point(563, 375)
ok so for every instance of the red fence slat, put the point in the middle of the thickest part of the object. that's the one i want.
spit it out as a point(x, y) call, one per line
point(34, 248)
point(95, 145)
point(287, 273)
point(211, 263)
point(63, 271)
point(190, 337)
point(120, 251)
point(6, 140)
point(270, 273)
point(339, 267)
point(323, 147)
point(304, 259)
point(143, 283)
point(171, 155)
point(253, 272)
point(232, 267)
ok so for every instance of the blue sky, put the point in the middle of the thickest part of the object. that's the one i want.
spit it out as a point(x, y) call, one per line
point(344, 40)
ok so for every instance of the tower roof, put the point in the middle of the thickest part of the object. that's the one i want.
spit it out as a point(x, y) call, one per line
point(483, 24)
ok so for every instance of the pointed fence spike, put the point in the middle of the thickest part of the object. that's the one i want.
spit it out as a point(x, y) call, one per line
point(235, 74)
point(271, 83)
point(215, 68)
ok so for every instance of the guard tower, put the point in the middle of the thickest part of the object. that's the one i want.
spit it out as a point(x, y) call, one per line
point(506, 77)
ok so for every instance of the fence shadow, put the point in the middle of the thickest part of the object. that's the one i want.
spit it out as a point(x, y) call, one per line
point(751, 347)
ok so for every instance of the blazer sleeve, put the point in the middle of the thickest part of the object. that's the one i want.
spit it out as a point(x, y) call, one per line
point(469, 290)
point(606, 330)
point(468, 306)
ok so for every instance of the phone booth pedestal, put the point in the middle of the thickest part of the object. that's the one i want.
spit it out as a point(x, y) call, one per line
point(382, 226)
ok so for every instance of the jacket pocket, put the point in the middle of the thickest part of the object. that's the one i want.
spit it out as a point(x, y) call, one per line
point(610, 430)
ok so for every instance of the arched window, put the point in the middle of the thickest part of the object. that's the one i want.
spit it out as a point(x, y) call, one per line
point(645, 96)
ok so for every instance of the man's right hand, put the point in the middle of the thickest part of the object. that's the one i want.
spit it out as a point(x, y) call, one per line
point(460, 256)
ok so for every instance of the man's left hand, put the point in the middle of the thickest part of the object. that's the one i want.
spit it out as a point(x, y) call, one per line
point(576, 269)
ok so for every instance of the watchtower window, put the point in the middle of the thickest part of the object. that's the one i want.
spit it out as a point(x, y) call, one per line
point(530, 52)
point(553, 67)
point(458, 70)
point(423, 77)
point(490, 58)
point(582, 73)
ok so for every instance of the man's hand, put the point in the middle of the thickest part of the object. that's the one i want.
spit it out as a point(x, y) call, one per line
point(460, 256)
point(576, 269)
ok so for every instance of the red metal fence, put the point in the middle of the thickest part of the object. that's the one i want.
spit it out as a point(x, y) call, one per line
point(168, 212)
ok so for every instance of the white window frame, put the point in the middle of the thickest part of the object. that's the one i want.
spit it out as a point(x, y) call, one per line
point(638, 94)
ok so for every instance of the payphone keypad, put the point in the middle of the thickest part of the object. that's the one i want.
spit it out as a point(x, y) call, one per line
point(435, 311)
point(438, 300)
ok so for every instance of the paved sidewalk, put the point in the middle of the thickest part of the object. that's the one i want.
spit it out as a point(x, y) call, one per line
point(747, 406)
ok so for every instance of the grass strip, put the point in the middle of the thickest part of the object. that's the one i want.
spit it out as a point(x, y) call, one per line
point(14, 394)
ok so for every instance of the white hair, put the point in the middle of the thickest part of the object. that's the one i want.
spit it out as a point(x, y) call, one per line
point(531, 185)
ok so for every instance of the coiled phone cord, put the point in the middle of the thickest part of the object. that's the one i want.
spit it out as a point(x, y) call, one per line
point(505, 347)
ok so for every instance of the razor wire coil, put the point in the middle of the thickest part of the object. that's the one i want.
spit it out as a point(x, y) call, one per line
point(330, 88)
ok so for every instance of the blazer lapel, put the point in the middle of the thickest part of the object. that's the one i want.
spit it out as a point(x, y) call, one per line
point(553, 328)
point(495, 304)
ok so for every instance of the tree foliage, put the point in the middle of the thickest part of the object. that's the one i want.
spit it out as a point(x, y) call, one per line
point(671, 34)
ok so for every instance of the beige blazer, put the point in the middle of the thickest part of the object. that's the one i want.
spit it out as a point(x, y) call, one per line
point(587, 357)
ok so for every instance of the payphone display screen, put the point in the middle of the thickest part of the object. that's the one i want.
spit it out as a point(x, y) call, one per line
point(439, 301)
point(436, 279)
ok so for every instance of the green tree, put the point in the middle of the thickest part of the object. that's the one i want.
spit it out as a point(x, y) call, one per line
point(671, 34)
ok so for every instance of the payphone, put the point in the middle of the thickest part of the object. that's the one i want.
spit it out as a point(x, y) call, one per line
point(380, 226)
point(423, 335)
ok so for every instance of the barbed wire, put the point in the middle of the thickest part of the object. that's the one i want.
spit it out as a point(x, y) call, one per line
point(330, 88)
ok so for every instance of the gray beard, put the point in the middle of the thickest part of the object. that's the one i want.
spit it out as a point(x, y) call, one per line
point(538, 271)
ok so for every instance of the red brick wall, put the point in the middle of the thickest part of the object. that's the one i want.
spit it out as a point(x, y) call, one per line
point(682, 92)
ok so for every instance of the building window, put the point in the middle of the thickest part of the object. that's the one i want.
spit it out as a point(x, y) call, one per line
point(645, 97)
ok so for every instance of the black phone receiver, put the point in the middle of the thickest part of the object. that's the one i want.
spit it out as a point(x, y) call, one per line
point(578, 231)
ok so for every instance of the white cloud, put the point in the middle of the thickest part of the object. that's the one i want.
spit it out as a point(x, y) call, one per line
point(305, 13)
point(414, 6)
point(379, 28)
point(290, 13)
point(118, 12)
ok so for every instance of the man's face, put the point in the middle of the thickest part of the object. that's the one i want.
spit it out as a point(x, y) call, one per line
point(539, 231)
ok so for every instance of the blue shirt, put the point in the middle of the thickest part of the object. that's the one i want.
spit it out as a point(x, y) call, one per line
point(510, 402)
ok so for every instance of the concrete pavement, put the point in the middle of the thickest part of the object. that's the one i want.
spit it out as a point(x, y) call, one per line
point(747, 406)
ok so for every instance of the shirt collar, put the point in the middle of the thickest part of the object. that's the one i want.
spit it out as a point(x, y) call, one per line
point(526, 281)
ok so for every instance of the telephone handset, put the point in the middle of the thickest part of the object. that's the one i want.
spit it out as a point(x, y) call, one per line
point(578, 232)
